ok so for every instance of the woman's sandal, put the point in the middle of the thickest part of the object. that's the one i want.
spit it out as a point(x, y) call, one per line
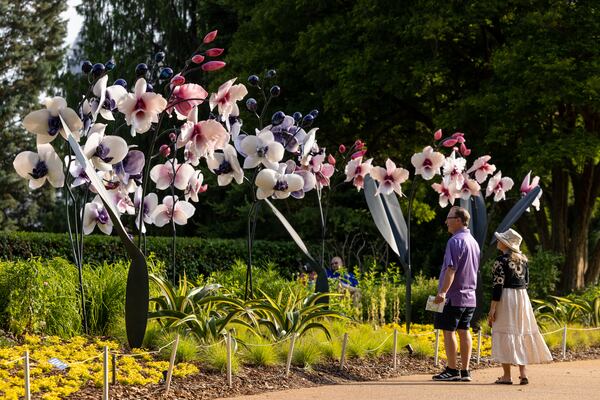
point(523, 381)
point(501, 381)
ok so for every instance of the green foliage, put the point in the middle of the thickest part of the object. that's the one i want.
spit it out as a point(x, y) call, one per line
point(259, 351)
point(306, 353)
point(31, 53)
point(194, 256)
point(216, 358)
point(575, 308)
point(39, 296)
point(544, 272)
point(187, 348)
point(293, 312)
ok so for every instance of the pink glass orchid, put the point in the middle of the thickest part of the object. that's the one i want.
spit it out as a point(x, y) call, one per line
point(172, 209)
point(46, 123)
point(163, 175)
point(446, 190)
point(454, 168)
point(498, 186)
point(356, 171)
point(39, 167)
point(390, 178)
point(482, 169)
point(527, 186)
point(227, 97)
point(226, 166)
point(427, 163)
point(184, 98)
point(322, 171)
point(195, 186)
point(202, 138)
point(141, 108)
point(469, 188)
point(95, 214)
point(121, 200)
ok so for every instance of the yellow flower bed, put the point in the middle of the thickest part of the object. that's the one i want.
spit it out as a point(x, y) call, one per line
point(84, 358)
point(427, 332)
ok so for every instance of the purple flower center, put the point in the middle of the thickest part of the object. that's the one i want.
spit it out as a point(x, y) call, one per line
point(427, 163)
point(40, 170)
point(262, 151)
point(281, 186)
point(53, 125)
point(224, 168)
point(109, 103)
point(140, 105)
point(102, 216)
point(102, 153)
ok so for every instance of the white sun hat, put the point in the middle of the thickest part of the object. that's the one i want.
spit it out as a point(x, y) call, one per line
point(511, 239)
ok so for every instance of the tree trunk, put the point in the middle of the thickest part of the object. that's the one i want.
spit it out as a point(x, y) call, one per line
point(585, 191)
point(592, 275)
point(559, 203)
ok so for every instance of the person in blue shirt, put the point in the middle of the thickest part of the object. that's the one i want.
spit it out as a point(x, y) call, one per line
point(347, 280)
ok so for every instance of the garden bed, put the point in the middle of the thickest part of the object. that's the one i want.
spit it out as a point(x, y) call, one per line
point(255, 380)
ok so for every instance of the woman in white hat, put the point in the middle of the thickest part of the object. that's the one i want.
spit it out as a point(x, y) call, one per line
point(516, 339)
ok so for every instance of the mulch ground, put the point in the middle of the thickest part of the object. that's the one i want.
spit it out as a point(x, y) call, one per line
point(255, 380)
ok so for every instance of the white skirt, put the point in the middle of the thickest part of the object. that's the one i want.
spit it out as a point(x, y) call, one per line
point(516, 338)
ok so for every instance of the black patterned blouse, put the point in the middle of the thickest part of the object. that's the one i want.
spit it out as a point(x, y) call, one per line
point(510, 273)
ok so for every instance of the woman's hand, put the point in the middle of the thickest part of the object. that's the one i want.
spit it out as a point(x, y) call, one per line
point(491, 317)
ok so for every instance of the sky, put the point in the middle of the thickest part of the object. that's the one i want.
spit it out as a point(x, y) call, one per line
point(74, 22)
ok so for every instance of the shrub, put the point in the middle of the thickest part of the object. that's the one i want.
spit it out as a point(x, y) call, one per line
point(194, 256)
point(306, 353)
point(216, 358)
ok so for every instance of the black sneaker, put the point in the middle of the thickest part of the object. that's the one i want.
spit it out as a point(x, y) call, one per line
point(449, 374)
point(465, 375)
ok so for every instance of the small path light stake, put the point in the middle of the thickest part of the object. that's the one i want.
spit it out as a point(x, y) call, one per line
point(105, 386)
point(229, 376)
point(343, 355)
point(437, 347)
point(479, 346)
point(27, 382)
point(114, 369)
point(564, 343)
point(290, 354)
point(395, 351)
point(172, 363)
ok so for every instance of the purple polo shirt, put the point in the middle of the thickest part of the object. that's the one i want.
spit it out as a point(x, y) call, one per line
point(462, 255)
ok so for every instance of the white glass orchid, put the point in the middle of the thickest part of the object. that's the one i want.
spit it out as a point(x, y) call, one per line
point(41, 166)
point(226, 166)
point(262, 149)
point(104, 151)
point(46, 123)
point(95, 214)
point(108, 98)
point(277, 183)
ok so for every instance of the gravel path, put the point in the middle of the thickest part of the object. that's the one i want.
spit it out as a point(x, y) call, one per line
point(556, 381)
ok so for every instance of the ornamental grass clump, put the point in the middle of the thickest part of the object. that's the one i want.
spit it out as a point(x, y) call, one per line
point(306, 353)
point(215, 357)
point(259, 352)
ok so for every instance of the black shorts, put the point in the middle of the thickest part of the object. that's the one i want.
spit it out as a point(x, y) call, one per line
point(453, 318)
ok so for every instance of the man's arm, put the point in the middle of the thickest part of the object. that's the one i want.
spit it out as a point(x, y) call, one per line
point(448, 279)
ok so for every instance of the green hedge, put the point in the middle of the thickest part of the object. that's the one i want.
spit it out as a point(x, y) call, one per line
point(193, 255)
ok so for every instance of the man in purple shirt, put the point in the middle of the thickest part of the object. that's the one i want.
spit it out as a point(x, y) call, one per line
point(458, 280)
